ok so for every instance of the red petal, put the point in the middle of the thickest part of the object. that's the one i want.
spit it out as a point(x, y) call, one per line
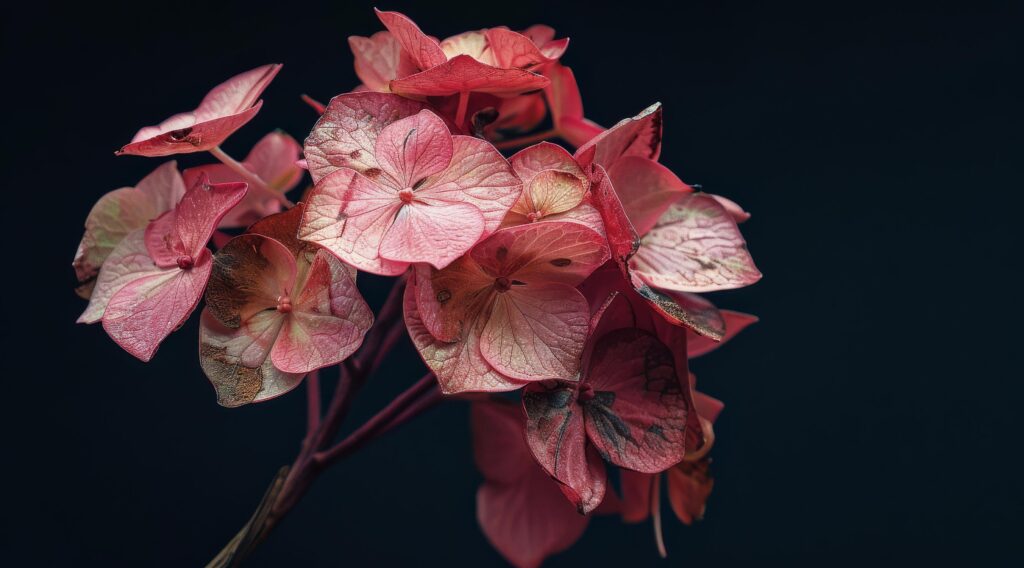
point(379, 59)
point(689, 486)
point(646, 189)
point(423, 49)
point(734, 322)
point(463, 74)
point(637, 136)
point(414, 148)
point(185, 230)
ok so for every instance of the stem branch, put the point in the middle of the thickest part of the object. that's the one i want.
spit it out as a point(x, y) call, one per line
point(255, 181)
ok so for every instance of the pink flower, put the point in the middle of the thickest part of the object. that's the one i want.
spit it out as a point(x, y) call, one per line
point(154, 278)
point(277, 308)
point(223, 111)
point(274, 160)
point(120, 212)
point(411, 192)
point(567, 106)
point(519, 507)
point(555, 188)
point(508, 312)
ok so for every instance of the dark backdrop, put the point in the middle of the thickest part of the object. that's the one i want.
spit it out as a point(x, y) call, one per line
point(870, 415)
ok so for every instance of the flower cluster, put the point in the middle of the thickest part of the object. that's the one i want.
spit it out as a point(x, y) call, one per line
point(569, 279)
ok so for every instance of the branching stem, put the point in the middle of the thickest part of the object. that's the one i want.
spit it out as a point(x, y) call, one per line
point(255, 182)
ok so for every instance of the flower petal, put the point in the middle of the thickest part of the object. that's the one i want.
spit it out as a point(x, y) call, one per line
point(637, 418)
point(379, 59)
point(346, 134)
point(520, 509)
point(733, 323)
point(565, 252)
point(637, 136)
point(689, 486)
point(695, 247)
point(127, 262)
point(187, 228)
point(249, 275)
point(463, 74)
point(423, 49)
point(435, 234)
point(513, 50)
point(536, 332)
point(145, 311)
point(414, 148)
point(646, 189)
point(567, 106)
point(557, 437)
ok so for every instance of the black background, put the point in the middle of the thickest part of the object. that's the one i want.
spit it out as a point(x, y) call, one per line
point(870, 416)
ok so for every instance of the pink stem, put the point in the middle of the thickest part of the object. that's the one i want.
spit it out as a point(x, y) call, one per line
point(460, 114)
point(251, 177)
point(317, 105)
point(526, 140)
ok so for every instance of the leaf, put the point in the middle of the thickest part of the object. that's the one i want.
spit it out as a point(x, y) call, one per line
point(637, 416)
point(520, 509)
point(536, 332)
point(463, 74)
point(346, 134)
point(637, 136)
point(423, 49)
point(695, 247)
point(225, 109)
point(557, 438)
point(458, 365)
point(120, 212)
point(646, 189)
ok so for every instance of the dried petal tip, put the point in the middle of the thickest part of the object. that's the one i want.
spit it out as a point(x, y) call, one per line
point(185, 261)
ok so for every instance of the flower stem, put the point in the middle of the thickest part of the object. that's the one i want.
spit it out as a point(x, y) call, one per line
point(312, 402)
point(251, 177)
point(460, 114)
point(526, 140)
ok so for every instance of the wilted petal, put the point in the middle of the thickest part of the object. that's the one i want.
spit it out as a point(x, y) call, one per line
point(733, 323)
point(472, 43)
point(463, 74)
point(250, 274)
point(637, 136)
point(145, 311)
point(423, 49)
point(450, 300)
point(328, 320)
point(695, 247)
point(520, 509)
point(637, 417)
point(236, 360)
point(646, 189)
point(435, 234)
point(636, 494)
point(689, 486)
point(458, 365)
point(414, 148)
point(557, 438)
point(346, 134)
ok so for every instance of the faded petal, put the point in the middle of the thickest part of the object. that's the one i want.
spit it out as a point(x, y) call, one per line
point(127, 262)
point(563, 252)
point(379, 59)
point(413, 148)
point(637, 136)
point(435, 234)
point(733, 323)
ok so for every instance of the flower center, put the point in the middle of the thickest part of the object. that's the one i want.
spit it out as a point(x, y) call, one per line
point(586, 392)
point(405, 195)
point(533, 216)
point(284, 304)
point(185, 261)
point(502, 284)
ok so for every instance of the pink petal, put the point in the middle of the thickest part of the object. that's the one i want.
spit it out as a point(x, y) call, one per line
point(346, 134)
point(458, 365)
point(120, 212)
point(557, 438)
point(565, 252)
point(463, 74)
point(479, 176)
point(328, 321)
point(379, 59)
point(695, 247)
point(637, 418)
point(533, 160)
point(636, 494)
point(413, 148)
point(520, 509)
point(567, 106)
point(513, 50)
point(348, 215)
point(284, 228)
point(708, 407)
point(689, 486)
point(637, 136)
point(128, 261)
point(646, 189)
point(184, 231)
point(536, 332)
point(734, 209)
point(435, 234)
point(734, 322)
point(472, 43)
point(226, 108)
point(423, 49)
point(236, 360)
point(145, 311)
point(449, 300)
